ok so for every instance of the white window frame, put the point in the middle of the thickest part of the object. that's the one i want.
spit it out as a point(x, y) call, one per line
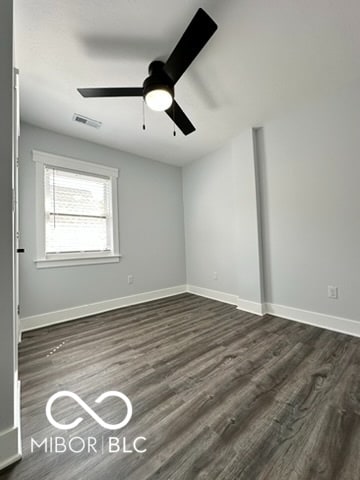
point(43, 260)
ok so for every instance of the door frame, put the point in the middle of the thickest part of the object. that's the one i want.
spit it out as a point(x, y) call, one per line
point(16, 243)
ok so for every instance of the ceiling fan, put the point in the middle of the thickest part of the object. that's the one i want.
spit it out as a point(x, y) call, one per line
point(158, 88)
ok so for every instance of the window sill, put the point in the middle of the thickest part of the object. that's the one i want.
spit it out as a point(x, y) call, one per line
point(70, 262)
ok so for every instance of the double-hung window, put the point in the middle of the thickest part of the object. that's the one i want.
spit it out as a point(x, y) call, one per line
point(77, 212)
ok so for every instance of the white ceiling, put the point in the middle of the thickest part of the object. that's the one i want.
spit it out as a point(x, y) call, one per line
point(267, 56)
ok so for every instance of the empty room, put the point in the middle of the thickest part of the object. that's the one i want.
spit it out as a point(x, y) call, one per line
point(180, 237)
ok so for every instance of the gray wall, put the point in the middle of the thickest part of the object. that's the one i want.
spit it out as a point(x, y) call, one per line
point(220, 211)
point(308, 178)
point(6, 293)
point(311, 202)
point(150, 221)
point(309, 172)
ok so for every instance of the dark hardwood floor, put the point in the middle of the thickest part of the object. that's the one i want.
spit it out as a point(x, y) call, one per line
point(218, 394)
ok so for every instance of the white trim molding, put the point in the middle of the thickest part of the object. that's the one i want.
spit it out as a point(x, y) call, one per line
point(321, 320)
point(329, 322)
point(213, 294)
point(47, 260)
point(10, 439)
point(245, 305)
point(251, 307)
point(9, 447)
point(59, 316)
point(45, 158)
point(70, 262)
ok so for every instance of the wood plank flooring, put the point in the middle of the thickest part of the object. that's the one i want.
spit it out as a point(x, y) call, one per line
point(218, 394)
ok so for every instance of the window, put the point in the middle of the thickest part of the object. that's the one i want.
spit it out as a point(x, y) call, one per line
point(76, 212)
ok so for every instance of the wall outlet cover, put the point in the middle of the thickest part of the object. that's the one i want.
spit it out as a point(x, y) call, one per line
point(332, 291)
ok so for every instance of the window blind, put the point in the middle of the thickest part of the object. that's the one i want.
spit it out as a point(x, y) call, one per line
point(77, 211)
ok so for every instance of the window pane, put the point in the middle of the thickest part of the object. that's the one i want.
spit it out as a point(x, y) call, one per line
point(77, 212)
point(75, 234)
point(76, 193)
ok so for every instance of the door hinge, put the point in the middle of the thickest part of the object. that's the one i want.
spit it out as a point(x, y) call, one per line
point(18, 309)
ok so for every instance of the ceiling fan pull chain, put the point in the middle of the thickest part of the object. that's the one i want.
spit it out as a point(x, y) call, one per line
point(143, 112)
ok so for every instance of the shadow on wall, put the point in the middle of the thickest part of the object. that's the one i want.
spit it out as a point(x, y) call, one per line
point(262, 195)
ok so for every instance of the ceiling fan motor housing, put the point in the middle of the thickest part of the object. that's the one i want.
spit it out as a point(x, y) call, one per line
point(157, 79)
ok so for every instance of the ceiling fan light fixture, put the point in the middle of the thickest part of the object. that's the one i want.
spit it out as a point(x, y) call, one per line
point(159, 99)
point(158, 88)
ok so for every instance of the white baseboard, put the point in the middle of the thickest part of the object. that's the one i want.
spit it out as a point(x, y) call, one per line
point(337, 324)
point(19, 333)
point(251, 307)
point(9, 447)
point(59, 316)
point(213, 294)
point(329, 322)
point(10, 439)
point(246, 305)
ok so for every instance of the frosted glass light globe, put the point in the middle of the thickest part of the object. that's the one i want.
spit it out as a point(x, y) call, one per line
point(158, 99)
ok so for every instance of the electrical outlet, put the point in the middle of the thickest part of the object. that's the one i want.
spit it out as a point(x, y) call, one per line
point(130, 279)
point(215, 275)
point(333, 291)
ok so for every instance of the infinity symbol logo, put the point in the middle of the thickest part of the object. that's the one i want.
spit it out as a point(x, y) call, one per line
point(90, 411)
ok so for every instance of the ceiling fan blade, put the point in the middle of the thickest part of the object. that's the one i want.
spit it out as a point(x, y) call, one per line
point(111, 92)
point(197, 34)
point(180, 119)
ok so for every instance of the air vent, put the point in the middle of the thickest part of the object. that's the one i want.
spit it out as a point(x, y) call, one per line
point(86, 121)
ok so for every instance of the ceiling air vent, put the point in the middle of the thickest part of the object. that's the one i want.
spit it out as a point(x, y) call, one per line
point(86, 121)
